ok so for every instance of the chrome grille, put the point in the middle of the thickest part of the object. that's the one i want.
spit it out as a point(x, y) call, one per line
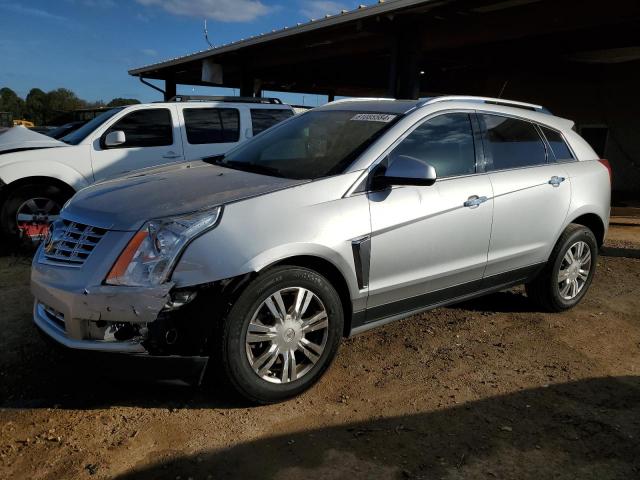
point(71, 242)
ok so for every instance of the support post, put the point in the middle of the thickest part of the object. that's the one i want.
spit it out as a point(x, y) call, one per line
point(404, 67)
point(169, 89)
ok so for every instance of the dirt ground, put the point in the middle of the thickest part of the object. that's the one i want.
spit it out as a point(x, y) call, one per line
point(487, 389)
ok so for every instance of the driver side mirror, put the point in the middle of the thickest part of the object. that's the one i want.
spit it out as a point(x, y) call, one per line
point(115, 138)
point(405, 170)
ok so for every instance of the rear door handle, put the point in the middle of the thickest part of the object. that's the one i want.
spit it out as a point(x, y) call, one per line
point(556, 181)
point(171, 155)
point(474, 201)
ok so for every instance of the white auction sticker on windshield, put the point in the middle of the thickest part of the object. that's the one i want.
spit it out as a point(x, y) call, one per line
point(373, 117)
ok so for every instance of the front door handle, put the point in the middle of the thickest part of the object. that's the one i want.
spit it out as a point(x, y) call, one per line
point(556, 181)
point(474, 201)
point(171, 155)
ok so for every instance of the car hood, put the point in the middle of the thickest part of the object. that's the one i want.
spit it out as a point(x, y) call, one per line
point(21, 138)
point(127, 202)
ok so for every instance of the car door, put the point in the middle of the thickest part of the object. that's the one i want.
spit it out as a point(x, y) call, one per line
point(209, 130)
point(430, 243)
point(531, 194)
point(152, 137)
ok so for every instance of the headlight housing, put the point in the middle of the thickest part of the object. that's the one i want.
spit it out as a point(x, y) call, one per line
point(149, 257)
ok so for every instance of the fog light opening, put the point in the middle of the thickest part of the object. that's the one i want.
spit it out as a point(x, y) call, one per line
point(179, 299)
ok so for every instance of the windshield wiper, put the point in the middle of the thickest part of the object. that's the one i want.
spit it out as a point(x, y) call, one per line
point(243, 166)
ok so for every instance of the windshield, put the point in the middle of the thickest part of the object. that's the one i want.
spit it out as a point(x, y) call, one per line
point(75, 137)
point(309, 146)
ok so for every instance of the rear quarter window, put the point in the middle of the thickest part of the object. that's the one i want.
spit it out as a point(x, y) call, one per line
point(560, 151)
point(263, 118)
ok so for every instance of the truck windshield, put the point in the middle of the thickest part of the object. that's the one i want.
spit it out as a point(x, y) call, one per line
point(75, 137)
point(312, 145)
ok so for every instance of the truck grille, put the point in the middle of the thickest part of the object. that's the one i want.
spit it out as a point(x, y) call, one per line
point(71, 242)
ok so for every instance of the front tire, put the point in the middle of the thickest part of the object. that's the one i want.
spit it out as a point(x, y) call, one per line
point(29, 209)
point(569, 271)
point(281, 334)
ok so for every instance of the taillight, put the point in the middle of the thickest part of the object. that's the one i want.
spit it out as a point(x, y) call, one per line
point(607, 165)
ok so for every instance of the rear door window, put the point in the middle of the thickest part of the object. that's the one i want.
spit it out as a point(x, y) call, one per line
point(212, 125)
point(263, 118)
point(559, 149)
point(512, 143)
point(445, 142)
point(151, 127)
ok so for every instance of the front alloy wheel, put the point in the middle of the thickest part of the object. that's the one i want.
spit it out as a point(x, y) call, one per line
point(280, 335)
point(287, 335)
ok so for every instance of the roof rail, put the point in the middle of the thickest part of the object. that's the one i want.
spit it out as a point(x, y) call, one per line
point(209, 98)
point(489, 100)
point(360, 99)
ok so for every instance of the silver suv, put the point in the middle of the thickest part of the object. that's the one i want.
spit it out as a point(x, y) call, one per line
point(336, 221)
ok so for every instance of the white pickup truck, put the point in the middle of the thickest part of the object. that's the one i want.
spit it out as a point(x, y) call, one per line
point(39, 174)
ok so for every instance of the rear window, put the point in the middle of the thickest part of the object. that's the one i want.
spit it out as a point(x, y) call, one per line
point(559, 148)
point(512, 143)
point(212, 125)
point(263, 118)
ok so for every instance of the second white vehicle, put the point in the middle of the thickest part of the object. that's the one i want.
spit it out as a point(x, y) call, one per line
point(37, 178)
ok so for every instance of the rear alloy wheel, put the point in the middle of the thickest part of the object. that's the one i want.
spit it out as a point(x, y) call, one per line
point(569, 271)
point(574, 270)
point(281, 334)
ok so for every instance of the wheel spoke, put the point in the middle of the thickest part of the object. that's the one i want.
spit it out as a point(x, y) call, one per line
point(310, 349)
point(564, 291)
point(50, 205)
point(33, 206)
point(574, 288)
point(260, 333)
point(586, 259)
point(293, 366)
point(317, 322)
point(563, 275)
point(284, 375)
point(303, 298)
point(24, 217)
point(583, 274)
point(275, 304)
point(265, 361)
point(579, 248)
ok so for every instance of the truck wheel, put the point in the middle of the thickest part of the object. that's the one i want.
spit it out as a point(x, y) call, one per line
point(569, 271)
point(281, 334)
point(29, 209)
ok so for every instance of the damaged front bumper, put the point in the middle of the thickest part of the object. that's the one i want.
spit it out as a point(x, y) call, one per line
point(103, 318)
point(98, 319)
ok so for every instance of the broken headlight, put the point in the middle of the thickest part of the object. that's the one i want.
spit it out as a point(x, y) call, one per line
point(149, 257)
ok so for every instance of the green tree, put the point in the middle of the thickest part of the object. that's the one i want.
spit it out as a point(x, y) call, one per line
point(11, 102)
point(119, 102)
point(63, 100)
point(36, 106)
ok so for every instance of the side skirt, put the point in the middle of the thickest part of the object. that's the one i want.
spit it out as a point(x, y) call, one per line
point(383, 314)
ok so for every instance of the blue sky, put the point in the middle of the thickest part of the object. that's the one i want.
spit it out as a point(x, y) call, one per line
point(88, 45)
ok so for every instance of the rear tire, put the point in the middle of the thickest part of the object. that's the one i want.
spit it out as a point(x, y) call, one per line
point(39, 202)
point(281, 334)
point(569, 272)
